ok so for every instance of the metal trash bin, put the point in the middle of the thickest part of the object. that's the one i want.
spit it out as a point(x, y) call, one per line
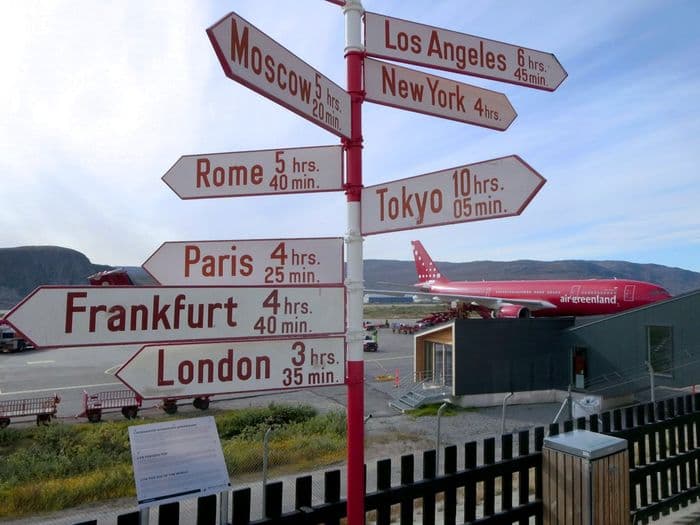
point(585, 479)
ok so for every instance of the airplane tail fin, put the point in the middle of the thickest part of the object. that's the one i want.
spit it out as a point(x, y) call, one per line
point(425, 267)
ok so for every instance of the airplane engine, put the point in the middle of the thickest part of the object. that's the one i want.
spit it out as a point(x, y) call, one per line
point(514, 311)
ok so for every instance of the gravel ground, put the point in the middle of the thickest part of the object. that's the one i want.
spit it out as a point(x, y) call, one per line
point(389, 433)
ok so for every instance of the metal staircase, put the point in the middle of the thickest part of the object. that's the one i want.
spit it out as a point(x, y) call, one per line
point(419, 393)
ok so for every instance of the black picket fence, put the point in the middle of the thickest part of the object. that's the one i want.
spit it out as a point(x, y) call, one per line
point(664, 454)
point(664, 458)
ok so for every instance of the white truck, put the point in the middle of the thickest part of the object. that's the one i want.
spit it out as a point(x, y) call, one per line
point(12, 341)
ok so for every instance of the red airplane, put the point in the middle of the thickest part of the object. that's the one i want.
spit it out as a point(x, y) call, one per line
point(536, 298)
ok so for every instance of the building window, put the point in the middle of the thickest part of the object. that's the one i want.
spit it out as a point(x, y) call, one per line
point(660, 349)
point(438, 363)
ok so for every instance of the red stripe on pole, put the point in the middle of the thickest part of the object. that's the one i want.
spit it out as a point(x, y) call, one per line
point(354, 144)
point(355, 369)
point(356, 446)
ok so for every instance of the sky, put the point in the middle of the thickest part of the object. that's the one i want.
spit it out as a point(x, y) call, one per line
point(99, 99)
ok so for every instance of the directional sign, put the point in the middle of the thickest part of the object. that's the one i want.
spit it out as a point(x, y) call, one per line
point(405, 88)
point(491, 189)
point(404, 41)
point(249, 262)
point(176, 370)
point(265, 172)
point(252, 58)
point(95, 315)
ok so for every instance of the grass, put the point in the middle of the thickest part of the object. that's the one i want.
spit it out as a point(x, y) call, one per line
point(432, 410)
point(401, 311)
point(59, 466)
point(62, 493)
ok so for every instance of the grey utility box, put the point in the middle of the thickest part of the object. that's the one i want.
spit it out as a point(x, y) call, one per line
point(585, 479)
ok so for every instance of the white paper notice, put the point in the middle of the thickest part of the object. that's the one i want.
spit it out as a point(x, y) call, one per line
point(177, 460)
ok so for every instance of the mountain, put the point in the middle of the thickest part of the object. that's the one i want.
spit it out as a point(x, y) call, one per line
point(23, 269)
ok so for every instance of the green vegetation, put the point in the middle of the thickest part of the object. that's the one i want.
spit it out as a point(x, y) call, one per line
point(402, 311)
point(432, 410)
point(59, 466)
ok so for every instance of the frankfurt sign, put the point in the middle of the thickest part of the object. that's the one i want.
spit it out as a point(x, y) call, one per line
point(113, 315)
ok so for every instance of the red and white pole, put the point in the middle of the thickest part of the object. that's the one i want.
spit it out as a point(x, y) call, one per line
point(354, 53)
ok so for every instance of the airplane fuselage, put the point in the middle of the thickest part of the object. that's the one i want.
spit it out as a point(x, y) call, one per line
point(568, 297)
point(538, 298)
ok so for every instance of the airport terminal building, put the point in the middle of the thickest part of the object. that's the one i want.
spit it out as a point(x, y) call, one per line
point(613, 358)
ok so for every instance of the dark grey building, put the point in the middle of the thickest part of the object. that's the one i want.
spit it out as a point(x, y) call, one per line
point(607, 357)
point(619, 350)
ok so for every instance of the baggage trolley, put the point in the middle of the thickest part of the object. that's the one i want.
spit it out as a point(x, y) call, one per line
point(169, 404)
point(125, 400)
point(44, 408)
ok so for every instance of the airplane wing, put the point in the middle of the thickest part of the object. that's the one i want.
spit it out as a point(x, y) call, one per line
point(492, 303)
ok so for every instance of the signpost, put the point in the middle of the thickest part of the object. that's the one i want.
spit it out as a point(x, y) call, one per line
point(491, 189)
point(423, 45)
point(259, 262)
point(107, 315)
point(255, 60)
point(203, 369)
point(266, 172)
point(413, 90)
point(284, 325)
point(355, 377)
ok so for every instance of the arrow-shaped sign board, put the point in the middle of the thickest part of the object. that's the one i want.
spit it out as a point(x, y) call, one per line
point(491, 189)
point(413, 90)
point(255, 60)
point(264, 172)
point(198, 369)
point(113, 315)
point(259, 262)
point(423, 45)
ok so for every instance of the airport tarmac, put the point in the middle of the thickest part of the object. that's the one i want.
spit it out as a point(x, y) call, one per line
point(388, 433)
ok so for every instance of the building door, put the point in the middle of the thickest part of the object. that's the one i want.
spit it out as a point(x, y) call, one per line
point(442, 363)
point(580, 367)
point(428, 371)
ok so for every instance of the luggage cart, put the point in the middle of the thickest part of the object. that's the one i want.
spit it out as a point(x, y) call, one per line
point(44, 408)
point(169, 404)
point(94, 404)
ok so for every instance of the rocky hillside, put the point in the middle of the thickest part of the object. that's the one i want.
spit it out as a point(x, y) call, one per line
point(23, 269)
